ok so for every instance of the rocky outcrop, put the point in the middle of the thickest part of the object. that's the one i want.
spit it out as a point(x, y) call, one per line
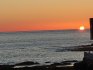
point(86, 64)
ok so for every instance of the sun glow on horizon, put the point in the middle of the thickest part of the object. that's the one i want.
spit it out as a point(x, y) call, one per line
point(82, 28)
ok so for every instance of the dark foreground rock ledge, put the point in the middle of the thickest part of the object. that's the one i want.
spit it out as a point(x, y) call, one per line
point(36, 66)
point(87, 63)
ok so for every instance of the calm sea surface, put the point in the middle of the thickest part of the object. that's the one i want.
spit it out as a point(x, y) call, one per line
point(41, 46)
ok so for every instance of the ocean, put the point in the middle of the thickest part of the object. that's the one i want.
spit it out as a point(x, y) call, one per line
point(42, 46)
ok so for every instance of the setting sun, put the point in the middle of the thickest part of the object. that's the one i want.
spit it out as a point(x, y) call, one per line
point(82, 28)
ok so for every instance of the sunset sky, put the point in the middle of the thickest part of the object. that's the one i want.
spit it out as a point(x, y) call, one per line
point(28, 15)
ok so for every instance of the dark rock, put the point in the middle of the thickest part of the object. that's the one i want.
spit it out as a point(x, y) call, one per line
point(26, 63)
point(55, 66)
point(47, 62)
point(6, 67)
point(80, 66)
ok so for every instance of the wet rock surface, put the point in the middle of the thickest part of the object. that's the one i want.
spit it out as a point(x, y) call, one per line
point(36, 66)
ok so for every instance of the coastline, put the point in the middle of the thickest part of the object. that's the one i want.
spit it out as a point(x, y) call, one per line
point(29, 65)
point(64, 65)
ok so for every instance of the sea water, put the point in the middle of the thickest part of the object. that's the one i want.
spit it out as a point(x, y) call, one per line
point(41, 46)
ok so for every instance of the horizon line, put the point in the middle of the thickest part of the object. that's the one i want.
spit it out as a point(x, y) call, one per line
point(40, 30)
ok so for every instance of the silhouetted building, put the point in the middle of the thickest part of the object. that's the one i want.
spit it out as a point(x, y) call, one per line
point(91, 28)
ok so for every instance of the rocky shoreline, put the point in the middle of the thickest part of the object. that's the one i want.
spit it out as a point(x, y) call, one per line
point(81, 48)
point(66, 65)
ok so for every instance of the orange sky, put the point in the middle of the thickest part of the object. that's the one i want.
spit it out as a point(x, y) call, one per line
point(28, 15)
